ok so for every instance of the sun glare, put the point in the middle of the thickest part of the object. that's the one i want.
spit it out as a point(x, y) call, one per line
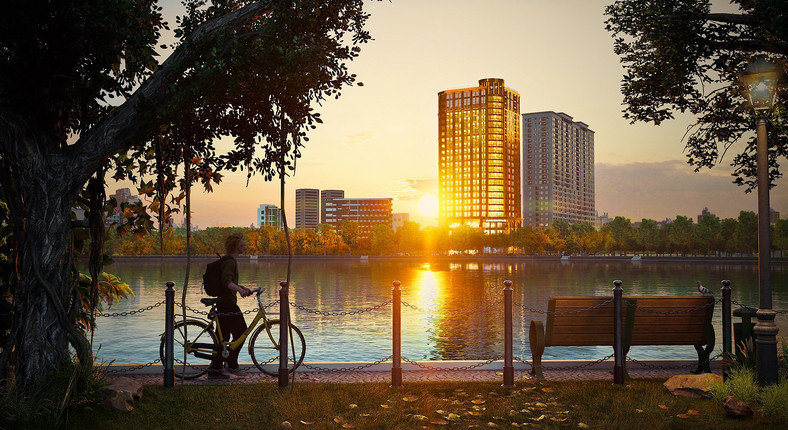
point(428, 205)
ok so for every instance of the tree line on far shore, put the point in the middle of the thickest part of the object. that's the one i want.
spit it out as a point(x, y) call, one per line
point(710, 236)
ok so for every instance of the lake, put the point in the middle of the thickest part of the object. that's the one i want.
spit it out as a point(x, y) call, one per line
point(459, 315)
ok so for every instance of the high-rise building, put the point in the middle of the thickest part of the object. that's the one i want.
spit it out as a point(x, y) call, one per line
point(122, 195)
point(269, 215)
point(326, 196)
point(365, 212)
point(558, 170)
point(479, 157)
point(307, 208)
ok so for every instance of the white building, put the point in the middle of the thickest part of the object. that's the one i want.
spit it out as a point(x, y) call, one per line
point(269, 215)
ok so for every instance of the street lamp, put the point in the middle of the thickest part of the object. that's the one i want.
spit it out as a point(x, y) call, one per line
point(760, 79)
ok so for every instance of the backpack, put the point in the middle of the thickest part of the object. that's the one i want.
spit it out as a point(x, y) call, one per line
point(212, 279)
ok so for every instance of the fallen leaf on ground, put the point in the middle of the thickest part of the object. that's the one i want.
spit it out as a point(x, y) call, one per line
point(365, 415)
point(453, 417)
point(348, 426)
point(663, 407)
point(459, 390)
point(582, 425)
point(410, 398)
point(353, 406)
point(499, 373)
point(693, 412)
point(419, 417)
point(384, 406)
point(683, 416)
point(438, 421)
point(540, 405)
point(478, 401)
point(307, 423)
point(640, 411)
point(547, 390)
point(440, 412)
point(339, 420)
point(492, 425)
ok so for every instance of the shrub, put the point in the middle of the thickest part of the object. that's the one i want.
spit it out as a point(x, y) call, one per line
point(742, 383)
point(774, 399)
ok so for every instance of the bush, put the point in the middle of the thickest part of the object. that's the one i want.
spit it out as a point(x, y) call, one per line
point(742, 383)
point(774, 399)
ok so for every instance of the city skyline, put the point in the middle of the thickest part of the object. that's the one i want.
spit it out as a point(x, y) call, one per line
point(380, 139)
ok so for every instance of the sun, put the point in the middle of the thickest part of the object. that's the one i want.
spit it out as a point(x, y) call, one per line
point(428, 205)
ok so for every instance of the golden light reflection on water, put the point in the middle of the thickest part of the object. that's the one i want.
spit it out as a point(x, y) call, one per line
point(429, 293)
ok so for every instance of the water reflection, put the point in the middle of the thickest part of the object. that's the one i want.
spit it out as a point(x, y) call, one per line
point(461, 302)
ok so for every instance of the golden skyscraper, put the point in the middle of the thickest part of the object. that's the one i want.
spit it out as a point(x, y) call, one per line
point(479, 157)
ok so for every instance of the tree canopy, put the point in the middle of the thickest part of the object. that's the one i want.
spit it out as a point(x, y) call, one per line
point(81, 86)
point(680, 56)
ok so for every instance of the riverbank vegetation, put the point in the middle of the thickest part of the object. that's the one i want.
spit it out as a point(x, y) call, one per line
point(569, 404)
point(710, 236)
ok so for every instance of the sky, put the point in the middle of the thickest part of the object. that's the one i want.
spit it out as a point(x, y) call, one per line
point(380, 140)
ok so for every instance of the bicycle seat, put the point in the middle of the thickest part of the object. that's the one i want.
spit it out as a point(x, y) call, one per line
point(209, 301)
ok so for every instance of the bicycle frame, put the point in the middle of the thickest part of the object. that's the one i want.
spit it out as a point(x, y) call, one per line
point(238, 343)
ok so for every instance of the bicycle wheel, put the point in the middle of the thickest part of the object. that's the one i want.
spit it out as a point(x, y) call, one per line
point(265, 351)
point(202, 345)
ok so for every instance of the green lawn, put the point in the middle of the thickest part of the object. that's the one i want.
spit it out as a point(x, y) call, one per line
point(642, 404)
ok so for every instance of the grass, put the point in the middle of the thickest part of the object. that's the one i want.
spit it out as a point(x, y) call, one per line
point(641, 404)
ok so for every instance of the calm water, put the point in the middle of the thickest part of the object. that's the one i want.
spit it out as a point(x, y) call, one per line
point(456, 320)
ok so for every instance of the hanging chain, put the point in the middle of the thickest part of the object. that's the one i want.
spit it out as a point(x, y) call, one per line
point(450, 369)
point(460, 312)
point(343, 313)
point(577, 311)
point(127, 313)
point(754, 308)
point(141, 366)
point(577, 367)
point(347, 369)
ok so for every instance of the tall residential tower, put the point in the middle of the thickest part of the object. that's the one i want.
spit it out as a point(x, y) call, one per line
point(479, 157)
point(558, 170)
point(307, 205)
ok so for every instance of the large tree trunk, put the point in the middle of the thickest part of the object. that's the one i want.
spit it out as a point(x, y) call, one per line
point(40, 188)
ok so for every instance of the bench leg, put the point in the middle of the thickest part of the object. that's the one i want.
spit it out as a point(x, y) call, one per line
point(536, 336)
point(704, 353)
point(626, 374)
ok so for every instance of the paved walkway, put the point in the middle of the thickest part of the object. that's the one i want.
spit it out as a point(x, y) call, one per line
point(563, 370)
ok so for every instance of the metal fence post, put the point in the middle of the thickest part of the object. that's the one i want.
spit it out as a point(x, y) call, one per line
point(726, 323)
point(396, 335)
point(169, 305)
point(284, 325)
point(618, 347)
point(508, 366)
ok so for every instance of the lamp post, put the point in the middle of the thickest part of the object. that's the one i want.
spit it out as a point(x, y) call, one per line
point(760, 79)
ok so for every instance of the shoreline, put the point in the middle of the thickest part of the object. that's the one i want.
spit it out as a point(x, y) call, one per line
point(492, 258)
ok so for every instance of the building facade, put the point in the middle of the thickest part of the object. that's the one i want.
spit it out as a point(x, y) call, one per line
point(269, 216)
point(122, 195)
point(327, 217)
point(365, 212)
point(558, 170)
point(399, 219)
point(479, 157)
point(307, 208)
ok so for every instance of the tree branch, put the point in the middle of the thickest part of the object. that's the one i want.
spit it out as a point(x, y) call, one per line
point(750, 45)
point(125, 124)
point(730, 18)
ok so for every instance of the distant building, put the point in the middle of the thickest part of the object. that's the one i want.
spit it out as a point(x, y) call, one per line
point(307, 208)
point(479, 157)
point(774, 216)
point(269, 215)
point(558, 170)
point(601, 220)
point(705, 211)
point(399, 219)
point(326, 196)
point(365, 212)
point(122, 195)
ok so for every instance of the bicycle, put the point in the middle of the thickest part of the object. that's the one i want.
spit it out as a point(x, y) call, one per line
point(203, 339)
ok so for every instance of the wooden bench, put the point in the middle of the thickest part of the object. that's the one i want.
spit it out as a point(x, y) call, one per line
point(655, 320)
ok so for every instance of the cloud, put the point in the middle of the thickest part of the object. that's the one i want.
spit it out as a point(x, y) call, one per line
point(664, 189)
point(414, 189)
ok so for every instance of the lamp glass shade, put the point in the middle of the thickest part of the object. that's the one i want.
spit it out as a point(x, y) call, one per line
point(760, 78)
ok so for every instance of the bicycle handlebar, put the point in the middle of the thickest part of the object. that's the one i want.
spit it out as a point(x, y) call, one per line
point(257, 290)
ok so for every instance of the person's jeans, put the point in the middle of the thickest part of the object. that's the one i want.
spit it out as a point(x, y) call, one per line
point(234, 325)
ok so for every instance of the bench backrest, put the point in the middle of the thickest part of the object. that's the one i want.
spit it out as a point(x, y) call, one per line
point(672, 320)
point(569, 324)
point(657, 320)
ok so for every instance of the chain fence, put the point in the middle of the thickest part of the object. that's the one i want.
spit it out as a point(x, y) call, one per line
point(576, 311)
point(681, 311)
point(342, 313)
point(451, 369)
point(128, 313)
point(319, 369)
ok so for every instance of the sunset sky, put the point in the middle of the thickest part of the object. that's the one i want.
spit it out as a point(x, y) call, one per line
point(379, 140)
